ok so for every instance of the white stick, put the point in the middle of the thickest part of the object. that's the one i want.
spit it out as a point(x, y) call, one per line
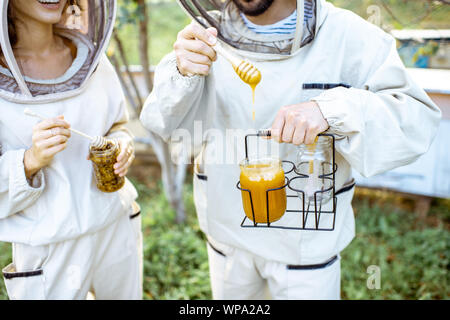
point(235, 61)
point(28, 112)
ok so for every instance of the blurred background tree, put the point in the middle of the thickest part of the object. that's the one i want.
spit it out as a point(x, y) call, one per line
point(165, 18)
point(132, 44)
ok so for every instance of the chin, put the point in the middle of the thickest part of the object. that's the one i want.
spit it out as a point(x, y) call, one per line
point(45, 11)
point(50, 11)
point(253, 7)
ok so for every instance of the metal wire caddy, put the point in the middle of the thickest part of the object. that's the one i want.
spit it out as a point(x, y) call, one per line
point(304, 211)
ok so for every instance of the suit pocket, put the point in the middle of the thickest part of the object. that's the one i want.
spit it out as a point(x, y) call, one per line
point(200, 197)
point(311, 90)
point(24, 285)
point(136, 225)
point(25, 276)
point(136, 221)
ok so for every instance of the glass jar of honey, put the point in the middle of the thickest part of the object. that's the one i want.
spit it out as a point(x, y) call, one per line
point(103, 160)
point(262, 184)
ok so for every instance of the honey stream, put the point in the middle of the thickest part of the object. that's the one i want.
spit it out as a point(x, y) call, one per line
point(251, 76)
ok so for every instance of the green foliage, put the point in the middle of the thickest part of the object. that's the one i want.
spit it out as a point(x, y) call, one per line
point(166, 19)
point(400, 14)
point(176, 260)
point(413, 262)
point(412, 256)
point(5, 259)
point(127, 13)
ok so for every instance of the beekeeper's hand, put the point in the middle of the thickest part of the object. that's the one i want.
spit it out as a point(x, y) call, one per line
point(49, 138)
point(299, 123)
point(125, 158)
point(194, 51)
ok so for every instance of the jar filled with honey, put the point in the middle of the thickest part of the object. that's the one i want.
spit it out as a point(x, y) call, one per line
point(103, 159)
point(264, 180)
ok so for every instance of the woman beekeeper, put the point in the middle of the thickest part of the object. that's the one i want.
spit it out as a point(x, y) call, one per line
point(321, 66)
point(68, 237)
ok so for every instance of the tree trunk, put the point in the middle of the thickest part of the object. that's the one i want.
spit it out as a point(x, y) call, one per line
point(143, 44)
point(173, 176)
point(125, 88)
point(126, 65)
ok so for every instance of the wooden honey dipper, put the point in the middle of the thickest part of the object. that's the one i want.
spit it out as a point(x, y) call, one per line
point(244, 69)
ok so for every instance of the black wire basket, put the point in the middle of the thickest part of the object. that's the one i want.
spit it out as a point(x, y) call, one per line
point(300, 213)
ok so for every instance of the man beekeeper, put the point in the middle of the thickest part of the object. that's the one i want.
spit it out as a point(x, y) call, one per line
point(322, 68)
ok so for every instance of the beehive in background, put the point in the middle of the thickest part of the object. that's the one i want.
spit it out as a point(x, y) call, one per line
point(430, 174)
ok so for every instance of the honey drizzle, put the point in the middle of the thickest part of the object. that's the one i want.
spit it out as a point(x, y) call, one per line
point(253, 100)
point(250, 75)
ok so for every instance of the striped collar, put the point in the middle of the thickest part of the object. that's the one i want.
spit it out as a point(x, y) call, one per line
point(285, 26)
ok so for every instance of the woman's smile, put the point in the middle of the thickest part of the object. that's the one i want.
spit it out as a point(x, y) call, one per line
point(50, 4)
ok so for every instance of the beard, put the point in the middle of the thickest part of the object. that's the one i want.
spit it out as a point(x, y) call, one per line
point(253, 7)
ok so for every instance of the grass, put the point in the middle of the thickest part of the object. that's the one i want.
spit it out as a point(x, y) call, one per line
point(413, 255)
point(5, 259)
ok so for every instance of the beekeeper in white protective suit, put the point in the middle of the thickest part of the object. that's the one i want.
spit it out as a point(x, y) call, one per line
point(322, 68)
point(68, 238)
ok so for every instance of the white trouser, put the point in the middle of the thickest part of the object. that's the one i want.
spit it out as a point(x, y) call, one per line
point(239, 275)
point(106, 264)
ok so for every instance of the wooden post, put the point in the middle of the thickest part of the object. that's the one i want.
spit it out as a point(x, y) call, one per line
point(422, 206)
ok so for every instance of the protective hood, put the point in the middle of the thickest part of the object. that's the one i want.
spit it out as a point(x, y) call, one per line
point(88, 24)
point(232, 30)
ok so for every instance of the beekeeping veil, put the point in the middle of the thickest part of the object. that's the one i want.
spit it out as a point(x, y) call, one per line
point(225, 17)
point(88, 24)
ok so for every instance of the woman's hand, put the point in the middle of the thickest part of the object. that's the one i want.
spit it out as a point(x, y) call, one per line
point(49, 138)
point(194, 51)
point(299, 123)
point(125, 158)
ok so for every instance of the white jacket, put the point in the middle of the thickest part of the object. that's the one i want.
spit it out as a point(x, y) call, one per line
point(62, 202)
point(383, 121)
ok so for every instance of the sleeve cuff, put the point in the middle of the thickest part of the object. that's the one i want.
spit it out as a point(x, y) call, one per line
point(37, 181)
point(332, 104)
point(18, 178)
point(185, 81)
point(326, 107)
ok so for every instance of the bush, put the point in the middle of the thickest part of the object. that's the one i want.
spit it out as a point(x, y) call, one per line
point(413, 262)
point(176, 260)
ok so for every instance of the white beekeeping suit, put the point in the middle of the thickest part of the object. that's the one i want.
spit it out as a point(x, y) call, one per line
point(351, 68)
point(68, 237)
